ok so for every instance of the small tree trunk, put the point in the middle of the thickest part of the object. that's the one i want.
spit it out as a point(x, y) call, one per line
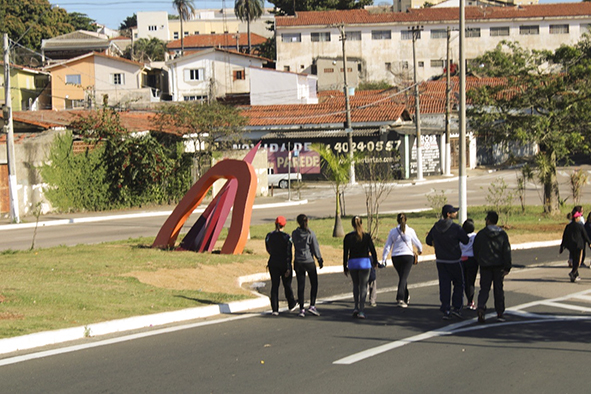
point(551, 192)
point(338, 231)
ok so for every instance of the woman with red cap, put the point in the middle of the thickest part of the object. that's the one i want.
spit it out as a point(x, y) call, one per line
point(278, 244)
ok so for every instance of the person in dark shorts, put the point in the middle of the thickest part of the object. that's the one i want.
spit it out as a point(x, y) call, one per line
point(279, 247)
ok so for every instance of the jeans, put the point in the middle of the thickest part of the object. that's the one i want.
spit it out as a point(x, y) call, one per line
point(494, 276)
point(301, 269)
point(450, 273)
point(277, 276)
point(470, 268)
point(360, 279)
point(403, 264)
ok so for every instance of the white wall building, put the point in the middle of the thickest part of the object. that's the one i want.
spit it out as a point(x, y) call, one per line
point(271, 87)
point(211, 73)
point(156, 24)
point(381, 43)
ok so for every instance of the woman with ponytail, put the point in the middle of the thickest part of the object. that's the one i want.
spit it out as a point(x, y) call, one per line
point(400, 242)
point(357, 246)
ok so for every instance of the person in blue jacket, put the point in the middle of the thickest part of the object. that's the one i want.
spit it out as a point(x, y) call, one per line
point(278, 244)
point(445, 236)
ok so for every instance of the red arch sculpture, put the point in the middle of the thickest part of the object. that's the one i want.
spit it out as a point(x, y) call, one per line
point(243, 174)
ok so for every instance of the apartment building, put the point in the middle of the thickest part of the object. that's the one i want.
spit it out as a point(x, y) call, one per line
point(380, 44)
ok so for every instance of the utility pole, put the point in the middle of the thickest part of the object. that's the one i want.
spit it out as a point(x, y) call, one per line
point(462, 186)
point(348, 128)
point(447, 147)
point(416, 31)
point(9, 130)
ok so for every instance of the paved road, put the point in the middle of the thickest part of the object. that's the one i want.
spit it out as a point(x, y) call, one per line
point(543, 348)
point(404, 197)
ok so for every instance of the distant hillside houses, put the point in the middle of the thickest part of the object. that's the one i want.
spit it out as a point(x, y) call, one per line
point(379, 43)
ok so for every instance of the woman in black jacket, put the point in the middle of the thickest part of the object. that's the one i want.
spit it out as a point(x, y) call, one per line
point(574, 239)
point(357, 246)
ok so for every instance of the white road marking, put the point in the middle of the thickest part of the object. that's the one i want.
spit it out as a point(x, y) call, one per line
point(462, 326)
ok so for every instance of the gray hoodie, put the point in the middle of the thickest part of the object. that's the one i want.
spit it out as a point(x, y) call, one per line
point(305, 246)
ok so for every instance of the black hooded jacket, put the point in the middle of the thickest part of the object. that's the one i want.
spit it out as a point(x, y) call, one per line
point(492, 248)
point(445, 236)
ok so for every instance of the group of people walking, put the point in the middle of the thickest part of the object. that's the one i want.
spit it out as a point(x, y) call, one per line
point(459, 253)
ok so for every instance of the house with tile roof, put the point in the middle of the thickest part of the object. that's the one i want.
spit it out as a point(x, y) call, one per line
point(85, 82)
point(230, 41)
point(77, 43)
point(380, 43)
point(211, 73)
point(29, 88)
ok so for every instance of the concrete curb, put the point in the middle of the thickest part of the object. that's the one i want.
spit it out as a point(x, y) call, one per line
point(62, 222)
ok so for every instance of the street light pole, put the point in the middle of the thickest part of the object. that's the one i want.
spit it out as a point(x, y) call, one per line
point(9, 130)
point(462, 117)
point(415, 33)
point(348, 127)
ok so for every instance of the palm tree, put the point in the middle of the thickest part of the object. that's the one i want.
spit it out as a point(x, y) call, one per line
point(249, 10)
point(337, 172)
point(186, 10)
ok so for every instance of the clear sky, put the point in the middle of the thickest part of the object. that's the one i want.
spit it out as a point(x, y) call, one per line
point(112, 12)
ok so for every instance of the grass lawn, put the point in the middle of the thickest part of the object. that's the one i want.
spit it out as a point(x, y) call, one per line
point(47, 289)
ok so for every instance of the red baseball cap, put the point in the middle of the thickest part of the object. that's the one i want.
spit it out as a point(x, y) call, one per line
point(281, 221)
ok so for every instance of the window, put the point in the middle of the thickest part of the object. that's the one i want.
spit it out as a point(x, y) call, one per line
point(499, 31)
point(291, 37)
point(421, 64)
point(353, 35)
point(186, 33)
point(286, 68)
point(175, 35)
point(404, 65)
point(194, 98)
point(473, 32)
point(388, 66)
point(529, 30)
point(152, 28)
point(320, 37)
point(559, 29)
point(437, 63)
point(407, 34)
point(212, 32)
point(585, 27)
point(195, 32)
point(73, 79)
point(118, 79)
point(381, 34)
point(349, 69)
point(438, 33)
point(238, 74)
point(328, 70)
point(195, 74)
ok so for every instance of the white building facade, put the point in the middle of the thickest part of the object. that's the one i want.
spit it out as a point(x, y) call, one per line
point(381, 44)
point(210, 73)
point(272, 87)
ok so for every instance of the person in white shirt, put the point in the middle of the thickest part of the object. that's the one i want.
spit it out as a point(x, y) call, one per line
point(469, 264)
point(400, 243)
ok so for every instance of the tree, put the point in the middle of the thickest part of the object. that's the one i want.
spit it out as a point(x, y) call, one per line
point(536, 105)
point(186, 10)
point(147, 50)
point(29, 22)
point(286, 7)
point(81, 21)
point(208, 127)
point(247, 11)
point(336, 169)
point(127, 24)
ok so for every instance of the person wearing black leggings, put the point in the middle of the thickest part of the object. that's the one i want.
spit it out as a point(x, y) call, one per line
point(279, 246)
point(306, 249)
point(357, 246)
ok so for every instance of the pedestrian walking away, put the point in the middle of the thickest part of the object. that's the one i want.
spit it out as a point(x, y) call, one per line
point(588, 230)
point(445, 237)
point(372, 286)
point(306, 249)
point(569, 217)
point(492, 251)
point(357, 247)
point(400, 244)
point(574, 238)
point(469, 264)
point(279, 247)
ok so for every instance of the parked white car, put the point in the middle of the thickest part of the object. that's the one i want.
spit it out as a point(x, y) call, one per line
point(281, 180)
